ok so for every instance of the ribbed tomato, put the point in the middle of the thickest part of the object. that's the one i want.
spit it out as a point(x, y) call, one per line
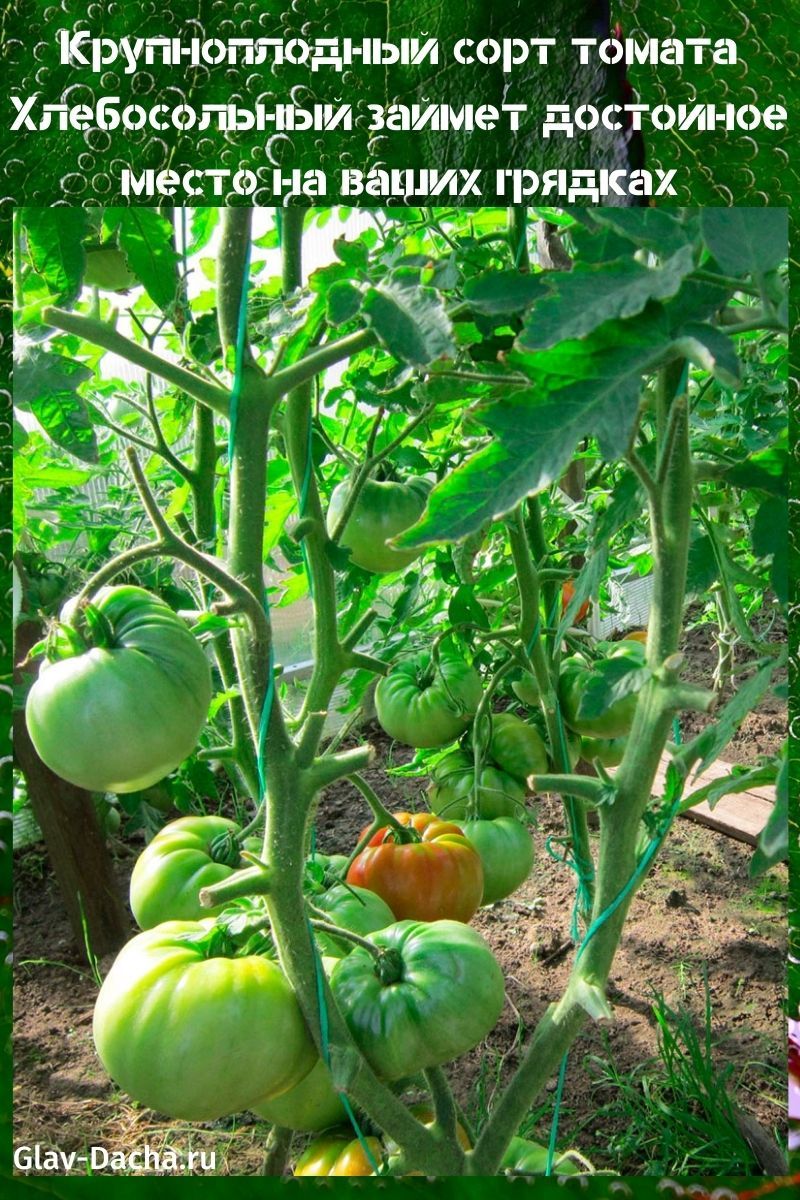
point(313, 1104)
point(338, 1154)
point(567, 592)
point(506, 850)
point(183, 857)
point(186, 1026)
point(436, 875)
point(452, 792)
point(382, 510)
point(125, 696)
point(427, 704)
point(434, 991)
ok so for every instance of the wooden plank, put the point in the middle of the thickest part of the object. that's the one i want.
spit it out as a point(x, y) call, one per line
point(741, 815)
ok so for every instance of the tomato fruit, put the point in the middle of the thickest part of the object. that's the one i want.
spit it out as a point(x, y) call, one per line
point(183, 857)
point(352, 908)
point(567, 592)
point(338, 1154)
point(615, 722)
point(107, 268)
point(506, 850)
point(530, 1158)
point(382, 511)
point(607, 751)
point(450, 793)
point(636, 635)
point(309, 1106)
point(195, 1034)
point(425, 705)
point(517, 747)
point(434, 994)
point(435, 877)
point(119, 714)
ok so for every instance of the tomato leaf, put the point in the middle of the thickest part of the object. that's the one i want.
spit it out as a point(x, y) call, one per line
point(771, 537)
point(502, 293)
point(651, 227)
point(55, 239)
point(47, 384)
point(709, 744)
point(711, 350)
point(746, 241)
point(537, 429)
point(145, 238)
point(410, 321)
point(773, 841)
point(615, 679)
point(586, 297)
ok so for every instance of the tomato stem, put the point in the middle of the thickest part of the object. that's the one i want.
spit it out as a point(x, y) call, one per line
point(347, 934)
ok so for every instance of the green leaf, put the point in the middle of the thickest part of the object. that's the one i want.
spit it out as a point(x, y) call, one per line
point(771, 537)
point(613, 679)
point(352, 254)
point(502, 293)
point(746, 241)
point(586, 297)
point(55, 237)
point(410, 321)
point(773, 842)
point(711, 350)
point(709, 744)
point(344, 302)
point(47, 384)
point(145, 237)
point(767, 470)
point(465, 608)
point(650, 227)
point(538, 430)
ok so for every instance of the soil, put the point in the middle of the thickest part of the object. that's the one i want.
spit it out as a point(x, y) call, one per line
point(697, 915)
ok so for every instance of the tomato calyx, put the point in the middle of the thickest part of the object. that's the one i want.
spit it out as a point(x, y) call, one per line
point(224, 848)
point(401, 835)
point(389, 966)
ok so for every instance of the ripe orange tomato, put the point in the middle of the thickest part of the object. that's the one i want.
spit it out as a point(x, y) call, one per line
point(567, 592)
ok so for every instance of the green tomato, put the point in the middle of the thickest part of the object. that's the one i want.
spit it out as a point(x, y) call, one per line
point(451, 790)
point(425, 706)
point(530, 1158)
point(615, 722)
point(107, 268)
point(434, 994)
point(382, 511)
point(526, 689)
point(352, 908)
point(183, 857)
point(121, 711)
point(506, 850)
point(517, 747)
point(194, 1034)
point(607, 751)
point(313, 1104)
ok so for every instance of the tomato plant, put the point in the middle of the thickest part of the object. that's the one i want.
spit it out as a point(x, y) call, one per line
point(504, 439)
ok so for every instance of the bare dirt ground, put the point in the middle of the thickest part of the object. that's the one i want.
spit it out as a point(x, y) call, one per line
point(697, 912)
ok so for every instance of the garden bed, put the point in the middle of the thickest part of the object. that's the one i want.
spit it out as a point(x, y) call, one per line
point(698, 912)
